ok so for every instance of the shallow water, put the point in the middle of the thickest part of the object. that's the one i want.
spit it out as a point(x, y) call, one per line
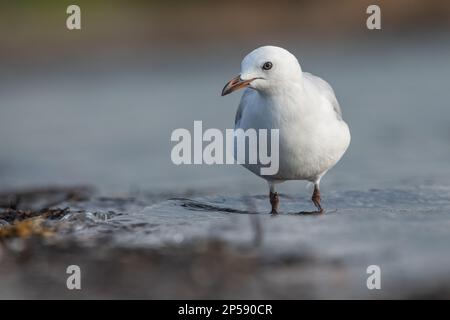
point(404, 231)
point(353, 220)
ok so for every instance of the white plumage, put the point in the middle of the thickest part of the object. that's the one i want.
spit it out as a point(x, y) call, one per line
point(313, 134)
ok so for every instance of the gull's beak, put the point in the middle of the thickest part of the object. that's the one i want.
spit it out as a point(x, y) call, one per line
point(235, 84)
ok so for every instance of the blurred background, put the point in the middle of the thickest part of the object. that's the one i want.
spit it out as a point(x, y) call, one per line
point(97, 106)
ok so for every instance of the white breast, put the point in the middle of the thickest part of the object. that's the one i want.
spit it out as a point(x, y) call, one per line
point(313, 136)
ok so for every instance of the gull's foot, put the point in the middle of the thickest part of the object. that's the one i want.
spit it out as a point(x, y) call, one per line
point(316, 200)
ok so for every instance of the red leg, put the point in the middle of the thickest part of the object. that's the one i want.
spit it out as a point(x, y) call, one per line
point(274, 201)
point(316, 200)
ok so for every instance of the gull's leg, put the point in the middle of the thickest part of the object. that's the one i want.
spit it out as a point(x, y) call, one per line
point(274, 199)
point(316, 200)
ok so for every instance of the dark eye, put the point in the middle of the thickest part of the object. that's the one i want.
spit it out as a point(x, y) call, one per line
point(267, 65)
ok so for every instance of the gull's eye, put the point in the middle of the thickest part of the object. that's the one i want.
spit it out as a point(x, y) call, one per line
point(267, 65)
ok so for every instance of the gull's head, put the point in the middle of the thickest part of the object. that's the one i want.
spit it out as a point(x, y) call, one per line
point(264, 69)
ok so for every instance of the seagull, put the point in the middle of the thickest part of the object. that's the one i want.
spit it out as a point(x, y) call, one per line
point(278, 95)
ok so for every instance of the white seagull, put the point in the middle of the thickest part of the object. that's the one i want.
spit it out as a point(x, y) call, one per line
point(312, 133)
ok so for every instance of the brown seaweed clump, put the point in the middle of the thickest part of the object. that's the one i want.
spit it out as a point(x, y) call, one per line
point(26, 223)
point(11, 215)
point(25, 229)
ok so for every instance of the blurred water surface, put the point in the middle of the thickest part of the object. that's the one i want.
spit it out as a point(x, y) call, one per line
point(107, 122)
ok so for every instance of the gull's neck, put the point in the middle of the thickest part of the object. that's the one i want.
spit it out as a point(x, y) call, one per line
point(284, 88)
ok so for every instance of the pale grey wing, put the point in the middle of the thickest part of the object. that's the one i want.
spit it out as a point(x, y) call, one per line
point(326, 90)
point(244, 101)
